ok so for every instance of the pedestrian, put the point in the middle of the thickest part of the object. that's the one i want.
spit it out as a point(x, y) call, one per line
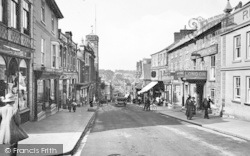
point(148, 104)
point(194, 105)
point(189, 107)
point(206, 106)
point(69, 103)
point(74, 104)
point(11, 133)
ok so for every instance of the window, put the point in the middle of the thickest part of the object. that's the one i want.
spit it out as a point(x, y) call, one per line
point(53, 23)
point(14, 13)
point(1, 10)
point(248, 45)
point(26, 17)
point(212, 71)
point(237, 88)
point(194, 64)
point(61, 56)
point(54, 56)
point(43, 11)
point(237, 45)
point(248, 90)
point(42, 51)
point(64, 56)
point(212, 93)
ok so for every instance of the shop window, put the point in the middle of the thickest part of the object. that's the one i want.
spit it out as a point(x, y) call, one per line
point(26, 17)
point(212, 69)
point(237, 47)
point(22, 85)
point(248, 45)
point(52, 91)
point(3, 78)
point(12, 79)
point(248, 90)
point(14, 13)
point(237, 93)
point(40, 95)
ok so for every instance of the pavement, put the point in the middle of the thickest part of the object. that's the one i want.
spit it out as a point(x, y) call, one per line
point(64, 127)
point(233, 127)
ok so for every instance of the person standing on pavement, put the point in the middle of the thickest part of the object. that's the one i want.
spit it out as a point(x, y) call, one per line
point(10, 132)
point(206, 106)
point(194, 105)
point(69, 103)
point(189, 107)
point(74, 104)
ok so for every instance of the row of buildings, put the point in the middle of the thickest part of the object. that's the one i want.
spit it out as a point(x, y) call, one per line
point(39, 63)
point(212, 58)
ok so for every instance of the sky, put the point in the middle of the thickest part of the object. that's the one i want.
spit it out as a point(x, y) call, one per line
point(130, 30)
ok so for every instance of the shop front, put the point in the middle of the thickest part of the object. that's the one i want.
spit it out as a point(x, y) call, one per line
point(193, 83)
point(81, 90)
point(15, 78)
point(46, 93)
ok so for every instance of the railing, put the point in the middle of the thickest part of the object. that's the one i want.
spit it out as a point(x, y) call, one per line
point(14, 36)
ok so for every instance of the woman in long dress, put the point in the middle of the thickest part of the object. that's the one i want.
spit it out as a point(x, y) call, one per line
point(10, 132)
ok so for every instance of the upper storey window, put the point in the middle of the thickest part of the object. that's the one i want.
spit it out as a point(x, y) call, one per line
point(14, 13)
point(237, 48)
point(26, 17)
point(43, 11)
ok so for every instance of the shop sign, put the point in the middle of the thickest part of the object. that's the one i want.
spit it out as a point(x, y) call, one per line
point(179, 74)
point(242, 16)
point(209, 51)
point(193, 75)
point(15, 51)
point(92, 37)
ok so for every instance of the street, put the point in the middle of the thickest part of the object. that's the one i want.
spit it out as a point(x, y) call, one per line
point(132, 131)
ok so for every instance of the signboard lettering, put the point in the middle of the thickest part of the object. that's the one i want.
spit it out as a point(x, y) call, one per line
point(246, 14)
point(192, 75)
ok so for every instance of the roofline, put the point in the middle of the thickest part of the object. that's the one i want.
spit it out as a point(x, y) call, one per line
point(55, 8)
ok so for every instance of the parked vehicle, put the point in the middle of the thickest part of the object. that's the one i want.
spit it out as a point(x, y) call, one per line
point(121, 101)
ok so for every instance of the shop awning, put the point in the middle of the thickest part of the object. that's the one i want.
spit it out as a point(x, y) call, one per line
point(148, 87)
point(81, 85)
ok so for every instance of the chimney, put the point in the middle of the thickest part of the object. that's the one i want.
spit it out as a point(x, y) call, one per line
point(183, 32)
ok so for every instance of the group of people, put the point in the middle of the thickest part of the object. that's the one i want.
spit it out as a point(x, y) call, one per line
point(71, 103)
point(191, 107)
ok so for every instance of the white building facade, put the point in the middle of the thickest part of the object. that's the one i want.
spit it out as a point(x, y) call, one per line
point(235, 64)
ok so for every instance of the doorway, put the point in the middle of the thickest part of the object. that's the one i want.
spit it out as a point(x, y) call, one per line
point(199, 90)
